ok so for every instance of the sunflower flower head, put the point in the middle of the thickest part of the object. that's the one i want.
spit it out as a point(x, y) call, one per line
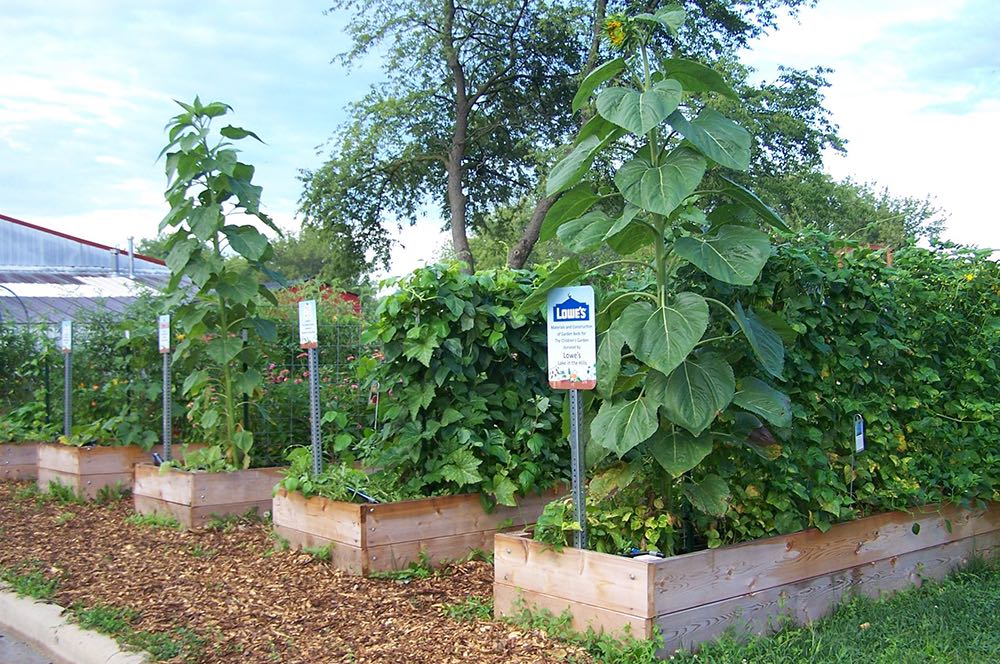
point(616, 30)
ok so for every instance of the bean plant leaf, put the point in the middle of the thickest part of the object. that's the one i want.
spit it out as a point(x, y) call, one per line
point(661, 189)
point(739, 193)
point(670, 17)
point(594, 79)
point(734, 254)
point(505, 490)
point(586, 233)
point(710, 495)
point(678, 451)
point(696, 77)
point(766, 344)
point(639, 112)
point(717, 137)
point(662, 337)
point(621, 425)
point(570, 205)
point(758, 397)
point(698, 390)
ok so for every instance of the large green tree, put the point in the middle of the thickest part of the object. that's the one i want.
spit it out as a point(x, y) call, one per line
point(474, 106)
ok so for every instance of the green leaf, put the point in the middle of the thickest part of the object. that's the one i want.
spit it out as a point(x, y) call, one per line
point(678, 451)
point(766, 344)
point(639, 112)
point(236, 133)
point(670, 17)
point(248, 194)
point(195, 382)
point(594, 79)
point(504, 490)
point(586, 233)
point(663, 337)
point(696, 77)
point(609, 360)
point(247, 241)
point(266, 329)
point(205, 222)
point(611, 480)
point(734, 254)
point(247, 381)
point(661, 189)
point(758, 397)
point(697, 390)
point(738, 192)
point(422, 349)
point(179, 255)
point(461, 468)
point(568, 171)
point(621, 425)
point(570, 205)
point(239, 287)
point(710, 495)
point(717, 137)
point(565, 273)
point(224, 350)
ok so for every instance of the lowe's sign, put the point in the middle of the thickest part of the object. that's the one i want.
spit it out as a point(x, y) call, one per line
point(572, 338)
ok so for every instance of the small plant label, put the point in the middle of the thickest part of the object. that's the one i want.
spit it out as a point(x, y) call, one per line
point(572, 338)
point(308, 331)
point(164, 330)
point(66, 337)
point(859, 433)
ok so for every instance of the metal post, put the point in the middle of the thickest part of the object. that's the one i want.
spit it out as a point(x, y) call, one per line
point(48, 390)
point(577, 469)
point(246, 397)
point(167, 407)
point(67, 393)
point(314, 414)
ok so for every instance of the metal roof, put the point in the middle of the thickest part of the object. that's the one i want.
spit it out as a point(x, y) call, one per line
point(48, 276)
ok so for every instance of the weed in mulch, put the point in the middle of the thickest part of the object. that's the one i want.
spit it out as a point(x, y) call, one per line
point(155, 520)
point(31, 579)
point(118, 623)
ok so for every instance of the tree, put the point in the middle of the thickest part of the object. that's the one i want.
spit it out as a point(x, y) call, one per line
point(313, 253)
point(476, 101)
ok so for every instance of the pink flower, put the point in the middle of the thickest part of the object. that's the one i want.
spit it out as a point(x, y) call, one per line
point(305, 374)
point(270, 366)
point(350, 358)
point(354, 386)
point(298, 381)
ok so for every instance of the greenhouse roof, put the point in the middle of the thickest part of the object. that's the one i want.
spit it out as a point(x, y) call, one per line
point(49, 276)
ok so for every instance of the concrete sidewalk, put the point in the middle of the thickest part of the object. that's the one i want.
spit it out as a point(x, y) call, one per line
point(13, 651)
point(42, 628)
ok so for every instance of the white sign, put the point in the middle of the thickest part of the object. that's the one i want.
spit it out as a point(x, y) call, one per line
point(572, 337)
point(164, 336)
point(859, 433)
point(66, 337)
point(308, 331)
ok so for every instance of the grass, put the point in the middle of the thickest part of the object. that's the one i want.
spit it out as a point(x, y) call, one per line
point(472, 609)
point(29, 579)
point(117, 622)
point(324, 553)
point(227, 523)
point(418, 569)
point(155, 520)
point(951, 621)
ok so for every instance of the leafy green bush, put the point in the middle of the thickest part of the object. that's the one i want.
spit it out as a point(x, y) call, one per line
point(464, 402)
point(338, 481)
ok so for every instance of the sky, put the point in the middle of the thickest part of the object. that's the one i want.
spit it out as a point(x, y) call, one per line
point(87, 87)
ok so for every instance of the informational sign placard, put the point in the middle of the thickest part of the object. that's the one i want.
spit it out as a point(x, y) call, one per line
point(164, 333)
point(308, 331)
point(859, 433)
point(66, 337)
point(572, 338)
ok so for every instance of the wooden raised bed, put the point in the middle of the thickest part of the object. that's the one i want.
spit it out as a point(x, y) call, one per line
point(86, 470)
point(697, 596)
point(389, 536)
point(18, 461)
point(194, 497)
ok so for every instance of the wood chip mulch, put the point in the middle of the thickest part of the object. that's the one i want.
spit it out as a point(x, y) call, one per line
point(250, 602)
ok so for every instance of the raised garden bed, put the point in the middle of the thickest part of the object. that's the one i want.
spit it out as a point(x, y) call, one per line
point(697, 596)
point(389, 536)
point(194, 497)
point(86, 470)
point(18, 461)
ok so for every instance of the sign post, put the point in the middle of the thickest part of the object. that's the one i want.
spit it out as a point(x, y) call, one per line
point(163, 338)
point(66, 345)
point(309, 339)
point(572, 355)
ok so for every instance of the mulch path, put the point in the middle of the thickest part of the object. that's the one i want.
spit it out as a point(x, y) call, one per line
point(251, 602)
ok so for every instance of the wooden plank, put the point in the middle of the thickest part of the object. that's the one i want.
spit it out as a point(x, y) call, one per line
point(253, 485)
point(600, 580)
point(152, 505)
point(171, 486)
point(708, 576)
point(344, 557)
point(87, 486)
point(202, 514)
point(333, 521)
point(510, 601)
point(443, 516)
point(439, 550)
point(18, 461)
point(808, 600)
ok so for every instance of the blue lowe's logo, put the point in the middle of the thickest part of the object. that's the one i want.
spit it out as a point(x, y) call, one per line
point(570, 310)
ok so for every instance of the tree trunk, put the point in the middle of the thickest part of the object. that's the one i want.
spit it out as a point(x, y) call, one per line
point(456, 152)
point(519, 253)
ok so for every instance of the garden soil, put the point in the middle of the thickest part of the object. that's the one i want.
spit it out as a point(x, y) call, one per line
point(250, 601)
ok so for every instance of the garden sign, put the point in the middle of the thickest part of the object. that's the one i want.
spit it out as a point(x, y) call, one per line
point(572, 354)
